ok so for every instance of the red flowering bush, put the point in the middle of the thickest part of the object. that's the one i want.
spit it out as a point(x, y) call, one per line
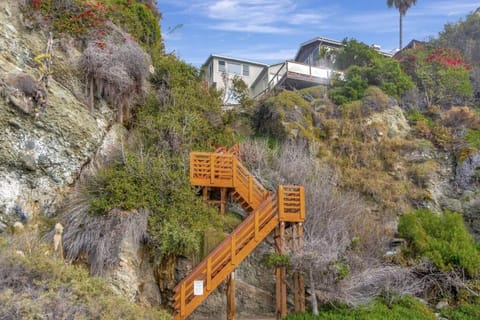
point(447, 57)
point(440, 73)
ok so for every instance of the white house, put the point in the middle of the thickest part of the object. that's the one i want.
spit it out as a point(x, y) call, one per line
point(220, 70)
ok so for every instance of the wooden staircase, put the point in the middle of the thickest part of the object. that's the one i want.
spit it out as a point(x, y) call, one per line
point(223, 169)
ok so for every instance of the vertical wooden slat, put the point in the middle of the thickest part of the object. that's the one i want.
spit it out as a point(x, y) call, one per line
point(233, 249)
point(255, 227)
point(209, 273)
point(234, 172)
point(302, 203)
point(250, 188)
point(182, 300)
point(280, 202)
point(212, 169)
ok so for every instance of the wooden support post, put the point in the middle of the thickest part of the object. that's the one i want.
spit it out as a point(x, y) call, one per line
point(280, 274)
point(223, 200)
point(296, 284)
point(205, 195)
point(231, 296)
point(284, 273)
point(277, 275)
point(301, 279)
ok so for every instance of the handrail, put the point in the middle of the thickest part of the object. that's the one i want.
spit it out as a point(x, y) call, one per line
point(226, 256)
point(271, 84)
point(225, 170)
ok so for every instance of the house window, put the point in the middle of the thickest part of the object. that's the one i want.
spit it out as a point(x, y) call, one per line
point(246, 70)
point(234, 68)
point(315, 56)
point(210, 71)
point(221, 66)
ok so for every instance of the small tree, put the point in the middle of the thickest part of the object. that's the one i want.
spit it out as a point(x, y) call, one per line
point(440, 73)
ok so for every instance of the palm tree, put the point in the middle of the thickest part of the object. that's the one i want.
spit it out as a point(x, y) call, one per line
point(402, 6)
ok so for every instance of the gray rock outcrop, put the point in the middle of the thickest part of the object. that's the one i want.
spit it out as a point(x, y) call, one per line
point(41, 157)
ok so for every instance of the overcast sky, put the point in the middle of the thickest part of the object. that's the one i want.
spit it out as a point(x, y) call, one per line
point(270, 31)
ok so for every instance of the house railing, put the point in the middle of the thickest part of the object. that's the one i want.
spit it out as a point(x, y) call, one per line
point(293, 67)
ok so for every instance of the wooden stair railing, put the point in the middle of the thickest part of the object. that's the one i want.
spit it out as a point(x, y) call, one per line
point(225, 257)
point(223, 169)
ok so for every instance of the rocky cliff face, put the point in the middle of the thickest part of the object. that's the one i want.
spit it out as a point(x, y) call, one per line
point(41, 156)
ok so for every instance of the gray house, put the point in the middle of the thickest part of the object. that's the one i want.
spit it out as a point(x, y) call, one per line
point(313, 65)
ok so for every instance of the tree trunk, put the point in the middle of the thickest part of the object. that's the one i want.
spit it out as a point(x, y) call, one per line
point(401, 32)
point(313, 295)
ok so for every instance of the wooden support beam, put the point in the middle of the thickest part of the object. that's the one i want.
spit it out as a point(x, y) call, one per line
point(296, 281)
point(205, 195)
point(301, 279)
point(281, 274)
point(223, 200)
point(231, 296)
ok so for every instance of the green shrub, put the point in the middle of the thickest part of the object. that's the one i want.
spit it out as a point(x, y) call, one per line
point(463, 312)
point(415, 115)
point(288, 107)
point(87, 19)
point(405, 308)
point(473, 138)
point(442, 238)
point(177, 217)
point(75, 17)
point(274, 260)
point(139, 19)
point(366, 67)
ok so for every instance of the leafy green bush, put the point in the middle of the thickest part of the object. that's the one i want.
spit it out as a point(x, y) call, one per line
point(463, 312)
point(403, 309)
point(139, 19)
point(274, 260)
point(177, 217)
point(286, 107)
point(88, 19)
point(473, 138)
point(442, 238)
point(366, 67)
